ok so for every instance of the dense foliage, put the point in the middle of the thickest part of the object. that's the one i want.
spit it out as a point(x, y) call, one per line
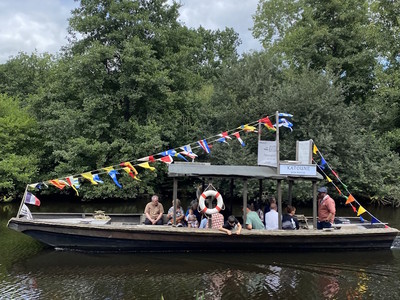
point(133, 81)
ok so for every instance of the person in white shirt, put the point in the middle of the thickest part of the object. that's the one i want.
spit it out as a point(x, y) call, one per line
point(271, 218)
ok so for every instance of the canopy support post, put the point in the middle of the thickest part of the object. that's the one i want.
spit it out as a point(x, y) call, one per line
point(315, 204)
point(279, 190)
point(22, 201)
point(244, 201)
point(175, 196)
point(290, 193)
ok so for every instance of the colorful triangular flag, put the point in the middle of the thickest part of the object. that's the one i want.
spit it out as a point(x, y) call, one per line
point(361, 210)
point(147, 158)
point(89, 177)
point(113, 174)
point(237, 134)
point(57, 183)
point(96, 178)
point(31, 199)
point(203, 144)
point(146, 165)
point(166, 159)
point(71, 180)
point(129, 171)
point(350, 199)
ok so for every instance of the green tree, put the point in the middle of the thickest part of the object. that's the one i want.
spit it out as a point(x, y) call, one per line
point(329, 36)
point(25, 75)
point(135, 83)
point(19, 149)
point(260, 85)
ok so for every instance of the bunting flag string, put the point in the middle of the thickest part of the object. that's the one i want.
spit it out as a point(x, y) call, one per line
point(350, 198)
point(166, 156)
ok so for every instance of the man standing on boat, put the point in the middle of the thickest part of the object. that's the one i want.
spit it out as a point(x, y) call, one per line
point(154, 212)
point(326, 209)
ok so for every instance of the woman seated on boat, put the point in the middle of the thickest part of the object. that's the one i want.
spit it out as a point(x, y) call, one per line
point(179, 214)
point(289, 221)
point(154, 212)
point(194, 205)
point(217, 221)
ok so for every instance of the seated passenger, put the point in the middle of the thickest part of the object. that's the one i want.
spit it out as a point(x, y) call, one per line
point(289, 221)
point(271, 218)
point(194, 205)
point(191, 219)
point(253, 221)
point(217, 221)
point(154, 212)
point(179, 214)
point(231, 223)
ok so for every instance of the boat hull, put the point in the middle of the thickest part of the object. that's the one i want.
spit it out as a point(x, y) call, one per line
point(142, 238)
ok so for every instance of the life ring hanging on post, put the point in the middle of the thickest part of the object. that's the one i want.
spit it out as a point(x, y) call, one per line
point(204, 208)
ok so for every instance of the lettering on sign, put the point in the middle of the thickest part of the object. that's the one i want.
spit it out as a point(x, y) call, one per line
point(297, 169)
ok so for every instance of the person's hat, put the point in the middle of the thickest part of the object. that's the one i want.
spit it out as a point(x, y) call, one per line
point(322, 190)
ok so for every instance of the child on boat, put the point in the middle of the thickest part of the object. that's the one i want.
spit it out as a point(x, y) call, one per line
point(192, 219)
point(230, 224)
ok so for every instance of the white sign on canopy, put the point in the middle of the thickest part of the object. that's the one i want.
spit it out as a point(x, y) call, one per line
point(267, 153)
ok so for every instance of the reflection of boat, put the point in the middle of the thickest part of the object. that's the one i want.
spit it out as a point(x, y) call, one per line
point(125, 233)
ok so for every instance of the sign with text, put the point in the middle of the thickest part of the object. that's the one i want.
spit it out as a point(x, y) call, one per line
point(267, 153)
point(298, 169)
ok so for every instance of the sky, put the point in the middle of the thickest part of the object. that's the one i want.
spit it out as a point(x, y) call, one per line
point(41, 25)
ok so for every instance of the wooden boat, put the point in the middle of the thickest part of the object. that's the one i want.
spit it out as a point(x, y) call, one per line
point(125, 232)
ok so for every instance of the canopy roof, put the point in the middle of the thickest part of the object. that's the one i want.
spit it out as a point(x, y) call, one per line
point(181, 169)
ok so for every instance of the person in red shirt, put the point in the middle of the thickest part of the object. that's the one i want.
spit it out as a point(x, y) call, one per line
point(326, 209)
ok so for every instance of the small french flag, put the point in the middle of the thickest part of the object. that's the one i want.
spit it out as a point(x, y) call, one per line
point(239, 139)
point(32, 199)
point(203, 144)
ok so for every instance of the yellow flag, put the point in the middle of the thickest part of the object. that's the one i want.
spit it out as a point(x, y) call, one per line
point(248, 128)
point(89, 177)
point(315, 149)
point(108, 169)
point(146, 166)
point(329, 180)
point(361, 210)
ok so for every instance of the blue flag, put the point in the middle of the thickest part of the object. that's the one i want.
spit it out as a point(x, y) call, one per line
point(113, 175)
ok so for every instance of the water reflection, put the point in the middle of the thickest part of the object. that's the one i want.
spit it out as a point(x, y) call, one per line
point(27, 271)
point(73, 275)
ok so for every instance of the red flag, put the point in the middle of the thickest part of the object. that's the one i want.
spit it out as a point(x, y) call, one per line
point(167, 159)
point(267, 122)
point(334, 173)
point(147, 158)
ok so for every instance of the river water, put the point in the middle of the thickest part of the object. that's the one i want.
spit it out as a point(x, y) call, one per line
point(30, 271)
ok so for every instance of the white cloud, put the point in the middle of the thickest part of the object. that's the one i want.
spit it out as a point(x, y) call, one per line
point(218, 14)
point(26, 26)
point(29, 25)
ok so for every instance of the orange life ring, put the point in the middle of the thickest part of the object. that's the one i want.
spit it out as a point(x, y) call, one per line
point(204, 208)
